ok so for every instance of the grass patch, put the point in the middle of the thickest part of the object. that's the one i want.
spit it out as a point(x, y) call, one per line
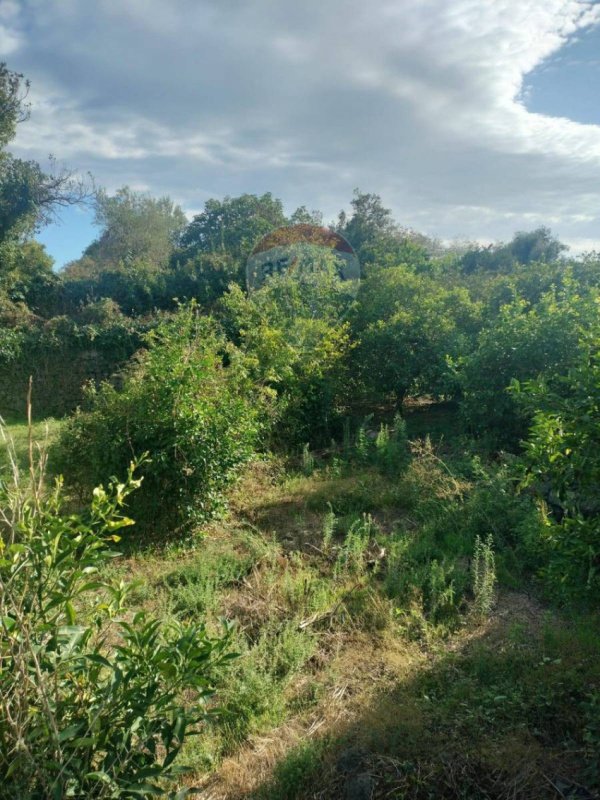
point(364, 640)
point(43, 434)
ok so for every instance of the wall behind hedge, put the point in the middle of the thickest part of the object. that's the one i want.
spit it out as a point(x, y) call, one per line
point(61, 357)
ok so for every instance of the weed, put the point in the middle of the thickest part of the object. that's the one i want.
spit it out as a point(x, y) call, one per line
point(351, 556)
point(308, 460)
point(329, 525)
point(483, 572)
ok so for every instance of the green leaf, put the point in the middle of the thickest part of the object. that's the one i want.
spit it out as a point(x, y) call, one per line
point(70, 611)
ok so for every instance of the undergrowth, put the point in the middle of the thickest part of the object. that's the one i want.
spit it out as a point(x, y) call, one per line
point(391, 591)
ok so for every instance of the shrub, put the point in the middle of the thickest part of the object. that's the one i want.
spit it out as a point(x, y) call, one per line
point(392, 448)
point(522, 343)
point(406, 326)
point(187, 402)
point(308, 460)
point(563, 459)
point(92, 694)
point(297, 341)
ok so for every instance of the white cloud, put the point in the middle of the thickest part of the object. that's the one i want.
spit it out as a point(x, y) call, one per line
point(9, 41)
point(420, 100)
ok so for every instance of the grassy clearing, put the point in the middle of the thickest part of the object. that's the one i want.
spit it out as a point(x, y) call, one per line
point(365, 665)
point(43, 433)
point(368, 667)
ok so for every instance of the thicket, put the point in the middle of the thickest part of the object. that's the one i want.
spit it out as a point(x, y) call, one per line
point(97, 699)
point(562, 458)
point(315, 369)
point(62, 354)
point(186, 403)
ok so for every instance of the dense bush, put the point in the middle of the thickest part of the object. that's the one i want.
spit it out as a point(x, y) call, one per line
point(187, 402)
point(521, 343)
point(407, 326)
point(92, 696)
point(297, 340)
point(563, 457)
point(94, 344)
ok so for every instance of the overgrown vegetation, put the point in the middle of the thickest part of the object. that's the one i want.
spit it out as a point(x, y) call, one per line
point(92, 693)
point(388, 490)
point(187, 403)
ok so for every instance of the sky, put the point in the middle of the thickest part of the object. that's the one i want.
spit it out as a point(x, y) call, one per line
point(471, 118)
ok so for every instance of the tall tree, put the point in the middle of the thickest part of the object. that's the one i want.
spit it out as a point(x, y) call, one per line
point(233, 225)
point(135, 228)
point(29, 196)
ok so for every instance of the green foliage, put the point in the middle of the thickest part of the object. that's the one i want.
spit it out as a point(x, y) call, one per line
point(252, 691)
point(329, 526)
point(28, 195)
point(93, 696)
point(377, 239)
point(525, 248)
point(194, 586)
point(391, 447)
point(294, 775)
point(483, 572)
point(94, 345)
point(308, 460)
point(562, 455)
point(352, 553)
point(408, 326)
point(135, 228)
point(233, 225)
point(361, 444)
point(521, 343)
point(296, 341)
point(196, 418)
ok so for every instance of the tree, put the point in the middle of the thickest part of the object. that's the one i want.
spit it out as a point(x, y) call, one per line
point(135, 228)
point(13, 108)
point(407, 326)
point(536, 245)
point(369, 221)
point(562, 454)
point(522, 342)
point(28, 277)
point(233, 225)
point(29, 197)
point(377, 239)
point(302, 216)
point(297, 340)
point(526, 247)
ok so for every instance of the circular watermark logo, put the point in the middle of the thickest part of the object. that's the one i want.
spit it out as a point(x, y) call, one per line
point(304, 253)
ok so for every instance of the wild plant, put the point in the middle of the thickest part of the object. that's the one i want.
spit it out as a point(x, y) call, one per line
point(92, 695)
point(352, 553)
point(483, 575)
point(329, 525)
point(308, 461)
point(361, 446)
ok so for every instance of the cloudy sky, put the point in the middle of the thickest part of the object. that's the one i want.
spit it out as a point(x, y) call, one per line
point(471, 118)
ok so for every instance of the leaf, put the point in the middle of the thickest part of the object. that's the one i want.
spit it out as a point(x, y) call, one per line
point(70, 611)
point(69, 732)
point(100, 776)
point(145, 789)
point(9, 623)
